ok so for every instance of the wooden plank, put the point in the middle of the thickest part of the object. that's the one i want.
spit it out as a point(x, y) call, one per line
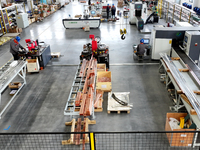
point(193, 112)
point(184, 70)
point(11, 34)
point(78, 136)
point(175, 58)
point(72, 130)
point(181, 70)
point(197, 92)
point(186, 99)
point(81, 112)
point(98, 109)
point(181, 92)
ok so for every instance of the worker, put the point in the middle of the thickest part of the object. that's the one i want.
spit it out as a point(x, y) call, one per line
point(108, 10)
point(89, 2)
point(14, 47)
point(113, 10)
point(141, 48)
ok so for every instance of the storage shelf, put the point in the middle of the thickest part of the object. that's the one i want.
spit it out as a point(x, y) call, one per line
point(178, 11)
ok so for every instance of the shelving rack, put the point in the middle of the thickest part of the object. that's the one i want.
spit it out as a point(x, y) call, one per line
point(173, 12)
point(7, 18)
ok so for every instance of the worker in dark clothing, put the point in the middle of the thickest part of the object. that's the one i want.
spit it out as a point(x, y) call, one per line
point(108, 10)
point(113, 10)
point(14, 47)
point(89, 2)
point(141, 48)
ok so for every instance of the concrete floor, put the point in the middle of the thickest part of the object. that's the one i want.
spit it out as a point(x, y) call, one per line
point(40, 105)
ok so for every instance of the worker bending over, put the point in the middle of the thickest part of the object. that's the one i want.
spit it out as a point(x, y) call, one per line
point(141, 48)
point(14, 47)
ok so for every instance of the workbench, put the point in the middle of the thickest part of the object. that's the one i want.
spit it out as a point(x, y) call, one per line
point(190, 81)
point(7, 75)
point(43, 55)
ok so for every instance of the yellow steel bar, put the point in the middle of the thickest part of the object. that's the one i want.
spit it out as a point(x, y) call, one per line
point(92, 141)
point(3, 21)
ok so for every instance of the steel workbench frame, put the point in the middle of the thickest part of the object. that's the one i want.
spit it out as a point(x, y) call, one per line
point(8, 76)
point(170, 79)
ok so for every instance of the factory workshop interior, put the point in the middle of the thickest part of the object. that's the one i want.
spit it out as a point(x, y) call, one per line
point(90, 78)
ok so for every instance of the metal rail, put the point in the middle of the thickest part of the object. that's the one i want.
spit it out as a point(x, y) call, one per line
point(77, 86)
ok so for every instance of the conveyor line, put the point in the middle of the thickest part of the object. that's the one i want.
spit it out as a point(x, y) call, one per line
point(188, 61)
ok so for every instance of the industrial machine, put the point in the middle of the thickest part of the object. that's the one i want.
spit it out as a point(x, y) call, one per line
point(88, 19)
point(99, 50)
point(183, 38)
point(191, 45)
point(136, 11)
point(22, 20)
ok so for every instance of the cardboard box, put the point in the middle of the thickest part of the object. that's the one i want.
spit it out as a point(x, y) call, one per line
point(78, 16)
point(29, 20)
point(14, 85)
point(13, 30)
point(40, 6)
point(178, 139)
point(36, 17)
point(33, 65)
point(101, 67)
point(13, 92)
point(104, 86)
point(32, 20)
point(44, 14)
point(48, 13)
point(19, 30)
point(45, 9)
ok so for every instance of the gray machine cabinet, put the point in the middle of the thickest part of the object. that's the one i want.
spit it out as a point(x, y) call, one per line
point(22, 20)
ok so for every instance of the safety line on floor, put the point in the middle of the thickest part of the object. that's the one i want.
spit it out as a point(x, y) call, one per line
point(120, 64)
point(133, 64)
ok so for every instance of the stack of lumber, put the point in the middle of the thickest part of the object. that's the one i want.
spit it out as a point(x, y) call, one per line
point(85, 98)
point(79, 126)
point(98, 101)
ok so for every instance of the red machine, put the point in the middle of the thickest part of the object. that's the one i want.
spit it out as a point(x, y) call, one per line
point(32, 45)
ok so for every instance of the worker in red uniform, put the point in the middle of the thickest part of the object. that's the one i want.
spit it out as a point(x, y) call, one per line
point(14, 47)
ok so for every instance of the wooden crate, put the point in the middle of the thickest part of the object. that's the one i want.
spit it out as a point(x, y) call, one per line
point(178, 139)
point(101, 67)
point(33, 65)
point(104, 86)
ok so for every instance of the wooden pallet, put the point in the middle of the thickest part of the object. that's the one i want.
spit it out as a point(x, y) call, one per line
point(118, 111)
point(73, 125)
point(55, 54)
point(114, 106)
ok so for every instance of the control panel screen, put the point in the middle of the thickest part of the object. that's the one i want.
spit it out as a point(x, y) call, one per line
point(186, 39)
point(146, 41)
